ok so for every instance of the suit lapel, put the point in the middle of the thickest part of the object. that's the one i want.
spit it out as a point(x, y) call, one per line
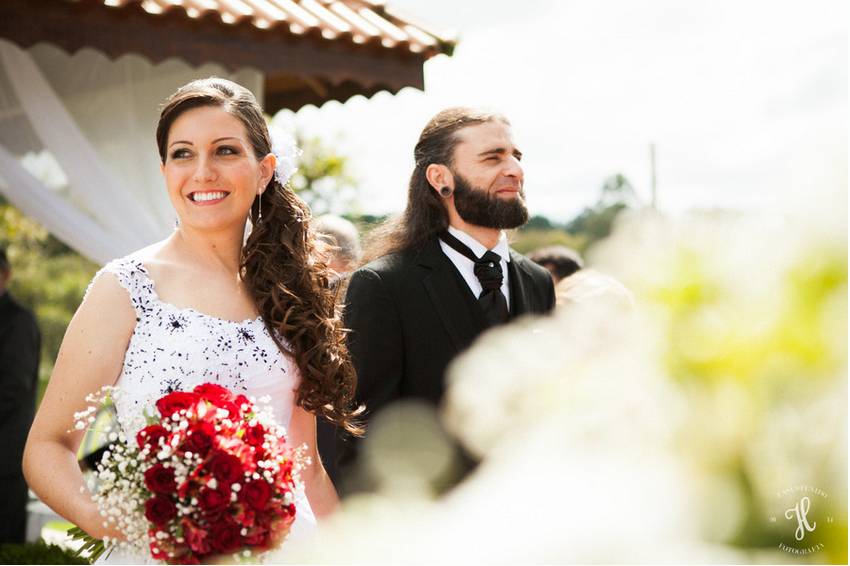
point(447, 298)
point(520, 278)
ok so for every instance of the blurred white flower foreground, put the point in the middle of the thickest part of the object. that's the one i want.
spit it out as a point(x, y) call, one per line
point(657, 434)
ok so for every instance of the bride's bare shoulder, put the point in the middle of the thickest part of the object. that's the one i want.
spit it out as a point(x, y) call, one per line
point(160, 252)
point(158, 259)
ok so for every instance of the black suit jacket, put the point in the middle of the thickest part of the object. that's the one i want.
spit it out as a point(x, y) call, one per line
point(410, 313)
point(20, 343)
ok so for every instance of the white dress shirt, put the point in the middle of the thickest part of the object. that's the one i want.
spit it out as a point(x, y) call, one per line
point(466, 266)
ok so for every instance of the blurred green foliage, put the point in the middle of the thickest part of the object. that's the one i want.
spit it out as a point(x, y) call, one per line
point(323, 178)
point(37, 553)
point(593, 224)
point(747, 360)
point(525, 241)
point(797, 341)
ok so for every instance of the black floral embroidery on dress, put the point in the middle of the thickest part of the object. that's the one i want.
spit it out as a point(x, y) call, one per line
point(176, 323)
point(259, 354)
point(224, 342)
point(171, 385)
point(245, 336)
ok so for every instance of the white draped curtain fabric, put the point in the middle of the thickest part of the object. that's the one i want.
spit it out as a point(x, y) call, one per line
point(77, 147)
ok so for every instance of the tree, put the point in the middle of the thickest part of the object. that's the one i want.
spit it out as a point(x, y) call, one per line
point(595, 222)
point(538, 222)
point(323, 178)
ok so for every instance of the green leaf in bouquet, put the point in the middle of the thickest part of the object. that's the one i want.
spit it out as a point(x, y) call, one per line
point(92, 547)
point(149, 418)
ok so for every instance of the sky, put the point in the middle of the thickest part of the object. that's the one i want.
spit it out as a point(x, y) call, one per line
point(744, 100)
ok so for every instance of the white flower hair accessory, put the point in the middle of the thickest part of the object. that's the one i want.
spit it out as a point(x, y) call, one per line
point(286, 153)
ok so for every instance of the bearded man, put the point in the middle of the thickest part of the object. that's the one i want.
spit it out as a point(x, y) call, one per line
point(443, 273)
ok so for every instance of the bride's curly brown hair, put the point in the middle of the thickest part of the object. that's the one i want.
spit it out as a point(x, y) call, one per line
point(287, 284)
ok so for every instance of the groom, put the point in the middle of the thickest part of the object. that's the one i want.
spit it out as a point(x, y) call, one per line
point(443, 273)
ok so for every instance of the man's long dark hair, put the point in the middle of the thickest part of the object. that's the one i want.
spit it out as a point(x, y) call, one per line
point(425, 216)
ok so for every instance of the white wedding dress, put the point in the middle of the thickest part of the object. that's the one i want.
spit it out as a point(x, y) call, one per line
point(175, 349)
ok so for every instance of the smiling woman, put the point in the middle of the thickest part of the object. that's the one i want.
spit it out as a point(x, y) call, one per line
point(211, 170)
point(202, 306)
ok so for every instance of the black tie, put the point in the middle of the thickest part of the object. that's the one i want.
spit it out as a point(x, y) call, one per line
point(488, 270)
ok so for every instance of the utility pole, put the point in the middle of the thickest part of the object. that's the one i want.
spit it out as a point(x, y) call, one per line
point(654, 202)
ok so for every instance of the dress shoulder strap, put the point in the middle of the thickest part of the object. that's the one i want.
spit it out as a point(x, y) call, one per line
point(133, 277)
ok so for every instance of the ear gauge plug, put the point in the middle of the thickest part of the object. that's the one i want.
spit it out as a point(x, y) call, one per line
point(445, 192)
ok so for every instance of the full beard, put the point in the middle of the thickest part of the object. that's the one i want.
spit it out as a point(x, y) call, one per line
point(475, 206)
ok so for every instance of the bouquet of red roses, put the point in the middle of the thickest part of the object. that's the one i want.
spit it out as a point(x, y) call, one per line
point(211, 475)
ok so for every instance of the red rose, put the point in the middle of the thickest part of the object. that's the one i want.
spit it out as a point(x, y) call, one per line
point(218, 396)
point(231, 408)
point(286, 512)
point(256, 494)
point(159, 510)
point(242, 400)
point(150, 435)
point(226, 468)
point(199, 438)
point(285, 473)
point(213, 393)
point(225, 537)
point(260, 537)
point(188, 558)
point(160, 479)
point(176, 401)
point(245, 516)
point(156, 551)
point(196, 537)
point(255, 435)
point(213, 500)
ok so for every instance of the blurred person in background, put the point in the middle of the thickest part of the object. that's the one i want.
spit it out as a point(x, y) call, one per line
point(20, 345)
point(561, 261)
point(342, 254)
point(591, 286)
point(342, 241)
point(443, 272)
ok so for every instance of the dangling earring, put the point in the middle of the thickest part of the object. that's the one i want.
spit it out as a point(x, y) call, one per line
point(260, 207)
point(176, 222)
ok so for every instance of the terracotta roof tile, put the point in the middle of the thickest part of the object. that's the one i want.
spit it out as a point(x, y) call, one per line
point(356, 21)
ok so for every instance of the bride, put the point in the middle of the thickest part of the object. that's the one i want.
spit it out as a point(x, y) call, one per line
point(201, 306)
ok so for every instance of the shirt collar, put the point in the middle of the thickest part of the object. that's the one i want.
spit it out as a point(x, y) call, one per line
point(501, 248)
